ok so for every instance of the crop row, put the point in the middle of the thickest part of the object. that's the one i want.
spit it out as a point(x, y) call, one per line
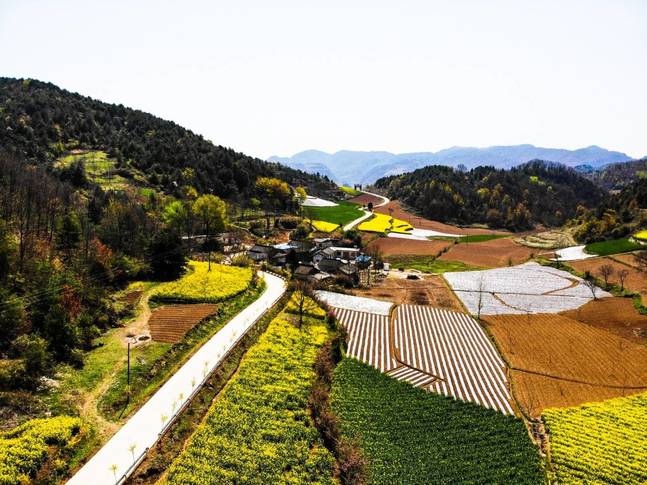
point(259, 429)
point(199, 285)
point(410, 436)
point(602, 442)
point(24, 448)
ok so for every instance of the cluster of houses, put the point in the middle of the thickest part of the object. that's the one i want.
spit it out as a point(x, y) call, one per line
point(318, 260)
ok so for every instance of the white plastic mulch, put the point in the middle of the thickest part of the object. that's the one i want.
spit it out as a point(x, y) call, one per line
point(574, 253)
point(527, 288)
point(422, 234)
point(317, 202)
point(357, 303)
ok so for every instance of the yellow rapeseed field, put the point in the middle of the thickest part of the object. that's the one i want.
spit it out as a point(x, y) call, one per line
point(384, 223)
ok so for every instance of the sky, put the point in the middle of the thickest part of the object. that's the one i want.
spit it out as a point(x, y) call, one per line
point(274, 78)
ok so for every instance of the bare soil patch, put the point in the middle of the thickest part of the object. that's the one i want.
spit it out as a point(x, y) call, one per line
point(491, 254)
point(364, 199)
point(389, 246)
point(431, 290)
point(616, 315)
point(421, 223)
point(170, 323)
point(563, 362)
point(636, 279)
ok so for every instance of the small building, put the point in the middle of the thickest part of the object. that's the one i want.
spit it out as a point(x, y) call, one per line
point(305, 272)
point(261, 252)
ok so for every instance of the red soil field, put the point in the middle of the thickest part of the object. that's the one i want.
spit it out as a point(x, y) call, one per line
point(421, 223)
point(364, 199)
point(170, 323)
point(389, 246)
point(616, 315)
point(490, 254)
point(558, 361)
point(635, 281)
point(431, 290)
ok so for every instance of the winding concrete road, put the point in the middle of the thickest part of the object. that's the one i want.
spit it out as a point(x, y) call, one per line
point(367, 214)
point(120, 455)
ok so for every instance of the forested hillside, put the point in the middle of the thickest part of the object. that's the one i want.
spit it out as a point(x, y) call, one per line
point(536, 192)
point(619, 175)
point(40, 122)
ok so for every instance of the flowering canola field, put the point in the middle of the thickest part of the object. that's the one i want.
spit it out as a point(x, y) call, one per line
point(259, 428)
point(24, 448)
point(322, 226)
point(199, 285)
point(382, 223)
point(602, 442)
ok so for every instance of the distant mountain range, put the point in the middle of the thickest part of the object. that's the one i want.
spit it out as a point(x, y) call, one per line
point(350, 167)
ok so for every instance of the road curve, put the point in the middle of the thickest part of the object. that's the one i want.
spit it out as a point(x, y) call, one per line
point(117, 458)
point(367, 214)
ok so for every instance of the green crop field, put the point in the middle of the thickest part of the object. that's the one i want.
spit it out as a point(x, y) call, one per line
point(259, 429)
point(614, 246)
point(411, 436)
point(602, 442)
point(427, 264)
point(342, 213)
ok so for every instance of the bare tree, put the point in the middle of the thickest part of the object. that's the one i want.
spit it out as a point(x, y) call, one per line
point(622, 276)
point(480, 300)
point(606, 271)
point(589, 282)
point(303, 292)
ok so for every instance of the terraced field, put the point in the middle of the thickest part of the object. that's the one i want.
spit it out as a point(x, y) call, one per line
point(170, 323)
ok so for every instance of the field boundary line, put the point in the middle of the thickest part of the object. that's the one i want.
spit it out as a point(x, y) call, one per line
point(576, 381)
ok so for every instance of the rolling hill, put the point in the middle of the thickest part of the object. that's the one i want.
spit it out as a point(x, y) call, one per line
point(40, 122)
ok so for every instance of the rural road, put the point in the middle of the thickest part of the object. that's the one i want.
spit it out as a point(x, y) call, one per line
point(115, 460)
point(367, 214)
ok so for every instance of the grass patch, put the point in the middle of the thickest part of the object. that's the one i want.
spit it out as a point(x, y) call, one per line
point(480, 238)
point(614, 246)
point(411, 436)
point(259, 429)
point(342, 213)
point(350, 191)
point(98, 167)
point(428, 264)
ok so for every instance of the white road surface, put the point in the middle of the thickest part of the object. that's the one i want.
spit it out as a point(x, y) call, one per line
point(367, 214)
point(116, 459)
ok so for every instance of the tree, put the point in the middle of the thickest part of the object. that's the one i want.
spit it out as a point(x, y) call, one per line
point(303, 298)
point(589, 282)
point(622, 276)
point(300, 194)
point(606, 271)
point(12, 316)
point(68, 233)
point(33, 350)
point(179, 215)
point(7, 250)
point(167, 254)
point(211, 211)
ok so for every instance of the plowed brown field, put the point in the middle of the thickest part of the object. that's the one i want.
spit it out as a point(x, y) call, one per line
point(364, 199)
point(562, 362)
point(392, 245)
point(170, 323)
point(636, 280)
point(616, 315)
point(421, 223)
point(431, 290)
point(491, 254)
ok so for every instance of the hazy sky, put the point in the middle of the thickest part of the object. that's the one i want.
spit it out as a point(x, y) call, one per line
point(275, 77)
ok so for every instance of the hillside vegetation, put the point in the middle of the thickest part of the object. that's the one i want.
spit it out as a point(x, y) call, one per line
point(40, 122)
point(536, 192)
